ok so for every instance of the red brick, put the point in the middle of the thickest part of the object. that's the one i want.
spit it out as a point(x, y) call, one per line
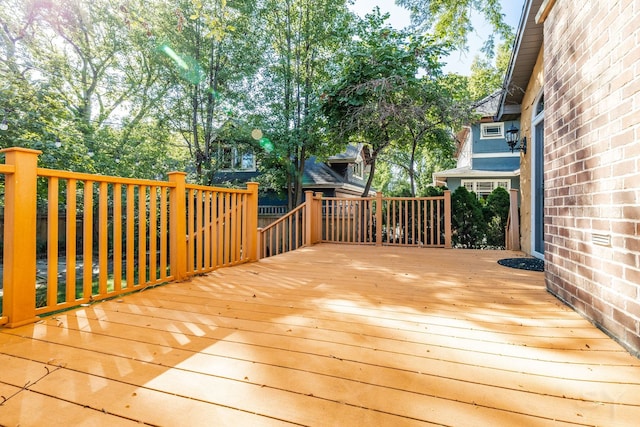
point(592, 161)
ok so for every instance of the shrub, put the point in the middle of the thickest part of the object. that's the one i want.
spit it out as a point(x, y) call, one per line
point(467, 219)
point(496, 212)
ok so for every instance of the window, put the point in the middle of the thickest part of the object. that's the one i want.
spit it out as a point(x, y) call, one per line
point(491, 130)
point(358, 170)
point(484, 187)
point(231, 158)
point(540, 105)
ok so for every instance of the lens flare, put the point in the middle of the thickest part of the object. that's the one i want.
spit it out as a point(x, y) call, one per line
point(190, 70)
point(256, 134)
point(266, 144)
point(176, 58)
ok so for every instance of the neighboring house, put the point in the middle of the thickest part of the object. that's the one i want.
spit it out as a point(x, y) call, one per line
point(575, 76)
point(342, 175)
point(484, 160)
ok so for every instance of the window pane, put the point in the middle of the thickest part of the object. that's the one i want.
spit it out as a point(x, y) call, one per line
point(540, 106)
point(485, 187)
point(226, 158)
point(492, 130)
point(247, 161)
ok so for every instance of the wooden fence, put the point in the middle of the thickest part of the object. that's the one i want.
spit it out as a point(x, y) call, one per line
point(148, 232)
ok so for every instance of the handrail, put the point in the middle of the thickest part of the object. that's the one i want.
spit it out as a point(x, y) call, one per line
point(218, 189)
point(283, 218)
point(283, 235)
point(300, 227)
point(82, 176)
point(7, 169)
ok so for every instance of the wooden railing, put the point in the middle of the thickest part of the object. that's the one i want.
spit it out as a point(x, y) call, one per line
point(138, 233)
point(512, 231)
point(422, 222)
point(400, 221)
point(294, 230)
point(134, 234)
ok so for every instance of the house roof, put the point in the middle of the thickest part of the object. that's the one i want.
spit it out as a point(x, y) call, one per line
point(488, 106)
point(319, 174)
point(467, 172)
point(351, 154)
point(523, 59)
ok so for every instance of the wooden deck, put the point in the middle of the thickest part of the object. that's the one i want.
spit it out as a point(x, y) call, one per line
point(332, 335)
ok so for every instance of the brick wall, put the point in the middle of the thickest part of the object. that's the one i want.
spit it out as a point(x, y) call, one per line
point(592, 162)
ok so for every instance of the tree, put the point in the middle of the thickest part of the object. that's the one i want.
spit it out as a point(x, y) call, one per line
point(451, 20)
point(426, 141)
point(304, 36)
point(487, 74)
point(379, 99)
point(82, 81)
point(210, 53)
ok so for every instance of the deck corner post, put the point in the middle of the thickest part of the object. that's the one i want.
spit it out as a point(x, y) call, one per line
point(253, 253)
point(19, 281)
point(379, 219)
point(309, 219)
point(178, 225)
point(447, 219)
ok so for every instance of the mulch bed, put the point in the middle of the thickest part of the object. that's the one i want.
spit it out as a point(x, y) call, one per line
point(531, 264)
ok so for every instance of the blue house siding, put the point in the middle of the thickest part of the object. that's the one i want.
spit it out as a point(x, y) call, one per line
point(491, 145)
point(502, 164)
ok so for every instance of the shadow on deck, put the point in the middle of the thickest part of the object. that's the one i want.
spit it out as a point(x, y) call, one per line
point(332, 335)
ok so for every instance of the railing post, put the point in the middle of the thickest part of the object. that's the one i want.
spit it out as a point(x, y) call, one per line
point(379, 219)
point(318, 217)
point(447, 219)
point(308, 219)
point(252, 222)
point(513, 230)
point(259, 237)
point(178, 225)
point(19, 303)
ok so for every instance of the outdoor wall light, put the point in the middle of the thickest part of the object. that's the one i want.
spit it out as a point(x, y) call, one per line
point(513, 136)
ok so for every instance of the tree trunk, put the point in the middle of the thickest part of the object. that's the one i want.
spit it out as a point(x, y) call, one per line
point(367, 187)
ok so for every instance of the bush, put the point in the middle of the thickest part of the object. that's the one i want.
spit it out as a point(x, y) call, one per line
point(467, 219)
point(496, 212)
point(432, 191)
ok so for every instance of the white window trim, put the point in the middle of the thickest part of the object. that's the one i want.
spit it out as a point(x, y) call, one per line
point(484, 126)
point(495, 184)
point(358, 169)
point(535, 120)
point(237, 159)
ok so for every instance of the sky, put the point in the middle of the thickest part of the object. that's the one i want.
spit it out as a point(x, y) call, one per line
point(457, 62)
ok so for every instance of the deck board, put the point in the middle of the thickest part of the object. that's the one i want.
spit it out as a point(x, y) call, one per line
point(328, 335)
